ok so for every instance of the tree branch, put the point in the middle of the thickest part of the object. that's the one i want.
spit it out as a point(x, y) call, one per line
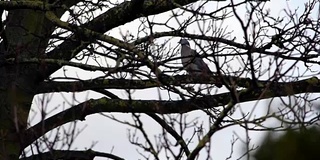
point(34, 5)
point(82, 85)
point(172, 132)
point(71, 155)
point(80, 111)
point(178, 80)
point(44, 62)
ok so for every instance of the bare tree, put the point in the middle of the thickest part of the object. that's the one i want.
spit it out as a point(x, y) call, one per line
point(267, 57)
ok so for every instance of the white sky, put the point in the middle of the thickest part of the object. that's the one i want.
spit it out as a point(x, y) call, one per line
point(112, 136)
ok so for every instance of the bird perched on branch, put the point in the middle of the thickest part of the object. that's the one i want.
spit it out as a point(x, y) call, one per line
point(193, 63)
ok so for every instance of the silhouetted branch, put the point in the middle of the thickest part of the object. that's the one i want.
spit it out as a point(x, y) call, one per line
point(71, 155)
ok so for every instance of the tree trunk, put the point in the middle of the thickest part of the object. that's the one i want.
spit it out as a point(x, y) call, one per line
point(22, 38)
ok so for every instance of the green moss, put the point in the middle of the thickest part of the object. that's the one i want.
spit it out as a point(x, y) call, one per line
point(123, 104)
point(313, 80)
point(148, 4)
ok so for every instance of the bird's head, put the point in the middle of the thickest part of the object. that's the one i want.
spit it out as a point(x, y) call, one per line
point(184, 42)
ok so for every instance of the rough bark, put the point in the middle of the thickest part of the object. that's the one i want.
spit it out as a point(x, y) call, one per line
point(26, 36)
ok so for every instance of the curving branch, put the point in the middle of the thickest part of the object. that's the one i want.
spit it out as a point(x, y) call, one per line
point(213, 128)
point(69, 154)
point(171, 130)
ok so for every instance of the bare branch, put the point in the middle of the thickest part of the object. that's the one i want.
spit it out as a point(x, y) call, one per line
point(69, 154)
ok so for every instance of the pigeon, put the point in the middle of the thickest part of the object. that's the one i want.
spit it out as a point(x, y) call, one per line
point(191, 61)
point(193, 64)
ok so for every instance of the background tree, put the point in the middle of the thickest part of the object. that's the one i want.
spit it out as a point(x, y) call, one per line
point(267, 57)
point(302, 144)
